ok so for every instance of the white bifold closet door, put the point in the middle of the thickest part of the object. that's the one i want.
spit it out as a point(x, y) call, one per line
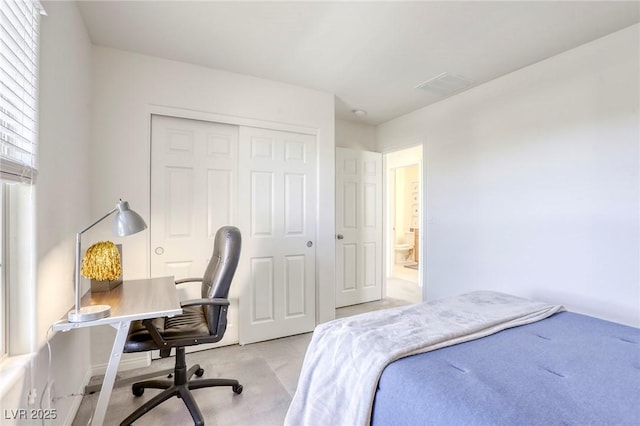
point(277, 209)
point(194, 189)
point(205, 175)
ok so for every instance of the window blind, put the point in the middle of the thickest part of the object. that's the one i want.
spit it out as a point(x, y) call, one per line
point(19, 28)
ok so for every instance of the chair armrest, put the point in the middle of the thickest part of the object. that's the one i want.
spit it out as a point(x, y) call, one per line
point(205, 302)
point(153, 331)
point(188, 280)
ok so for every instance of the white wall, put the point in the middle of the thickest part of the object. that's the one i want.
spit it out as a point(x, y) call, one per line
point(127, 86)
point(353, 135)
point(532, 181)
point(62, 207)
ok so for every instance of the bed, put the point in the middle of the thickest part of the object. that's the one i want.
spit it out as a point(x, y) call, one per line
point(540, 365)
point(566, 369)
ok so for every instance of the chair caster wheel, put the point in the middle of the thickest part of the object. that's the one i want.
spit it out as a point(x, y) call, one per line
point(137, 391)
point(199, 372)
point(237, 389)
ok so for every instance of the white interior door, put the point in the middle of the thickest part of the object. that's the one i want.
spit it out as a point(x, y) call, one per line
point(194, 168)
point(277, 216)
point(358, 226)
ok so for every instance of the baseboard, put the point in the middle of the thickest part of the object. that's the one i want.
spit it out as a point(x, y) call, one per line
point(77, 400)
point(126, 363)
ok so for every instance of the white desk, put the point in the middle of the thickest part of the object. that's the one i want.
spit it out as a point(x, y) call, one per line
point(133, 300)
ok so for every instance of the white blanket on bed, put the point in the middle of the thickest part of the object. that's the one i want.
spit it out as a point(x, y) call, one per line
point(346, 357)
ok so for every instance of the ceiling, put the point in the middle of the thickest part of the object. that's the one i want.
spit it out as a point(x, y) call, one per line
point(371, 55)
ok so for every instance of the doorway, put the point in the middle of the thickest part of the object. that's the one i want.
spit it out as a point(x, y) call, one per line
point(403, 205)
point(402, 249)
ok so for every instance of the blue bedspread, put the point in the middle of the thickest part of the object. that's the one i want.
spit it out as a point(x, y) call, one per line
point(568, 369)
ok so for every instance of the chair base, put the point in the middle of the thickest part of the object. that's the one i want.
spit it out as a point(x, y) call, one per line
point(181, 387)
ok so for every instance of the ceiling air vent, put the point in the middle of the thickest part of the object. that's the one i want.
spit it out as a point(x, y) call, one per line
point(445, 84)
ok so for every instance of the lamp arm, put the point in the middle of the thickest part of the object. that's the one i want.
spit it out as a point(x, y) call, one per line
point(78, 249)
point(98, 221)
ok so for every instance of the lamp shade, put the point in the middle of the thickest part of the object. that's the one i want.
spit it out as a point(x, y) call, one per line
point(102, 262)
point(126, 221)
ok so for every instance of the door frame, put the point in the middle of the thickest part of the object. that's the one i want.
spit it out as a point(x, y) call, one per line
point(192, 114)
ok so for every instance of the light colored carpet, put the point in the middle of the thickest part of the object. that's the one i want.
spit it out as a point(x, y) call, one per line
point(267, 370)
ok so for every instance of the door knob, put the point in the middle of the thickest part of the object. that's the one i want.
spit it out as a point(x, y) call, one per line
point(159, 250)
point(309, 244)
point(340, 236)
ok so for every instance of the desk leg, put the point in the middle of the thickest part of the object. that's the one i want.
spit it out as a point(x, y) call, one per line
point(112, 368)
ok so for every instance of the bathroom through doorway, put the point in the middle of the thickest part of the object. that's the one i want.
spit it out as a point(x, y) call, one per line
point(403, 204)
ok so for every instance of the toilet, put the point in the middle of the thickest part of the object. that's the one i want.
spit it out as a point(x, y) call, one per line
point(403, 253)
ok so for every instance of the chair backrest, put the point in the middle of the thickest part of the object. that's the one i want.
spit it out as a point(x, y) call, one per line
point(219, 274)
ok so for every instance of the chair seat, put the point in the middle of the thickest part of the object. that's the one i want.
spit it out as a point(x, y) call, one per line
point(190, 324)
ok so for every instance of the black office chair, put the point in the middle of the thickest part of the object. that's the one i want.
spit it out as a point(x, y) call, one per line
point(202, 321)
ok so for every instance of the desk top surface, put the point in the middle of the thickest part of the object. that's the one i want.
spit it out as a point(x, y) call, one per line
point(132, 300)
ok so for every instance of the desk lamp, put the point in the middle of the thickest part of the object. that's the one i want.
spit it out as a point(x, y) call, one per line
point(126, 222)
